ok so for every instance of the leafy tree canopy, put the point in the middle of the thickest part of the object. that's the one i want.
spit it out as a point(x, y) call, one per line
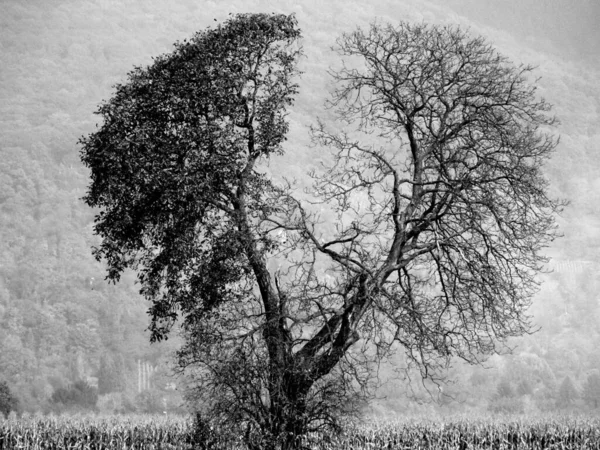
point(176, 158)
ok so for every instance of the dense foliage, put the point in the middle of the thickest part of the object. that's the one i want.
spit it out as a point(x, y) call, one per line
point(175, 162)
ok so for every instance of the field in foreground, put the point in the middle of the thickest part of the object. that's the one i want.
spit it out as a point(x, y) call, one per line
point(143, 432)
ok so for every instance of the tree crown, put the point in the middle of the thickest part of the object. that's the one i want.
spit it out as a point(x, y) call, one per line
point(177, 152)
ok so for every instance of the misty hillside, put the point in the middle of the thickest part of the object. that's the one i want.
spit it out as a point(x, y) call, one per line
point(61, 323)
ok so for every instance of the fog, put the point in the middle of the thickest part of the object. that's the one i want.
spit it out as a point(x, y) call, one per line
point(61, 323)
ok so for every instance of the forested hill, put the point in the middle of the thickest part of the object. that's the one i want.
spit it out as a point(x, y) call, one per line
point(61, 323)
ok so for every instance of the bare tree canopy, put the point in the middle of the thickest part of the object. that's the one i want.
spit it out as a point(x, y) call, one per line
point(441, 213)
point(454, 208)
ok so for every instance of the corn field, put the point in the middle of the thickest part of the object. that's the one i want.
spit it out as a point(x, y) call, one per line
point(140, 432)
point(89, 433)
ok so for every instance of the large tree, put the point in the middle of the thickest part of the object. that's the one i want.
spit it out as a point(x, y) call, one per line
point(440, 212)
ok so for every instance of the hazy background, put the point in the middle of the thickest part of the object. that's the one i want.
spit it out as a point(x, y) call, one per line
point(61, 324)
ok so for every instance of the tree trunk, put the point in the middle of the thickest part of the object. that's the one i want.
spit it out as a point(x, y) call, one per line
point(288, 410)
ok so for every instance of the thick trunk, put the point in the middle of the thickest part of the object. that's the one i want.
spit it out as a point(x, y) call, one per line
point(292, 421)
point(284, 391)
point(274, 332)
point(290, 376)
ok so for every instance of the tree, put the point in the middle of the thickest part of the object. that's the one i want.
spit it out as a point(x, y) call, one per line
point(567, 393)
point(504, 389)
point(505, 401)
point(524, 388)
point(591, 390)
point(79, 395)
point(111, 373)
point(440, 206)
point(8, 402)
